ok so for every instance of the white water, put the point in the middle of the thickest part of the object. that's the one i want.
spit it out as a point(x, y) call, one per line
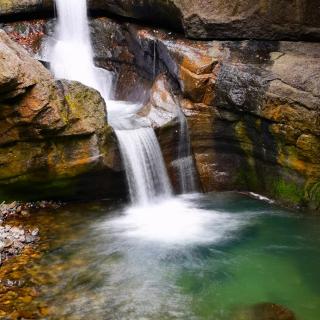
point(72, 58)
point(145, 170)
point(178, 221)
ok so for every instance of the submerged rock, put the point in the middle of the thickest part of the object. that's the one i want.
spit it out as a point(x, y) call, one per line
point(264, 311)
point(53, 134)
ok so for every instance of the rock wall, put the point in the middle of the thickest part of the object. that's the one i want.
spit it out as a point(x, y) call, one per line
point(54, 140)
point(253, 109)
point(241, 19)
point(252, 106)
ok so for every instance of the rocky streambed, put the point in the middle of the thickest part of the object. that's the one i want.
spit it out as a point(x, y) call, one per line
point(15, 234)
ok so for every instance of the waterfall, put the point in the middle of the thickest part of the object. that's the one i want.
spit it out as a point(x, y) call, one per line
point(146, 173)
point(72, 58)
point(184, 163)
point(72, 55)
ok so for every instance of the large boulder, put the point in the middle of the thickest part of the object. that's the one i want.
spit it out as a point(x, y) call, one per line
point(215, 19)
point(54, 137)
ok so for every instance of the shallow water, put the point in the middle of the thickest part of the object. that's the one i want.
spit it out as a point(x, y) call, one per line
point(191, 257)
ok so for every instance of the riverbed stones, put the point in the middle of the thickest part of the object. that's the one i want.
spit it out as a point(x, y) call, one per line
point(13, 239)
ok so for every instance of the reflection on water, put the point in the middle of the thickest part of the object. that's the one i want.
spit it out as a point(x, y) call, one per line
point(195, 257)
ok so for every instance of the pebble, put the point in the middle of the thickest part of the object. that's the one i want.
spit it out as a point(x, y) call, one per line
point(35, 232)
point(8, 242)
point(24, 213)
point(29, 238)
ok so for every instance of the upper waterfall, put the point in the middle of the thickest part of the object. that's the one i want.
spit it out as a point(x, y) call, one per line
point(72, 55)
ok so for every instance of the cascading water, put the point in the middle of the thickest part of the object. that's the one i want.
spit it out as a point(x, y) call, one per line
point(158, 227)
point(72, 58)
point(156, 215)
point(170, 259)
point(184, 163)
point(148, 179)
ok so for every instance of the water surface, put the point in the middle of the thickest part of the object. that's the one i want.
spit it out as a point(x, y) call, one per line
point(193, 257)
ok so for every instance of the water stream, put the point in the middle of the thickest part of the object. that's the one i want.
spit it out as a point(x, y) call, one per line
point(72, 58)
point(71, 55)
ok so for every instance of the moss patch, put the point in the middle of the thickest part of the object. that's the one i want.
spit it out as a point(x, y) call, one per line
point(313, 193)
point(287, 191)
point(247, 177)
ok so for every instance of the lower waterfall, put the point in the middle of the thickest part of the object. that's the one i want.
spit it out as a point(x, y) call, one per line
point(145, 170)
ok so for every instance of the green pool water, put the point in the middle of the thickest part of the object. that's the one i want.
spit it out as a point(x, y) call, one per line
point(196, 257)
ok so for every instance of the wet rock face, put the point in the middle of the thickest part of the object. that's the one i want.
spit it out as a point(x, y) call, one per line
point(53, 135)
point(28, 34)
point(252, 109)
point(253, 113)
point(17, 7)
point(215, 19)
